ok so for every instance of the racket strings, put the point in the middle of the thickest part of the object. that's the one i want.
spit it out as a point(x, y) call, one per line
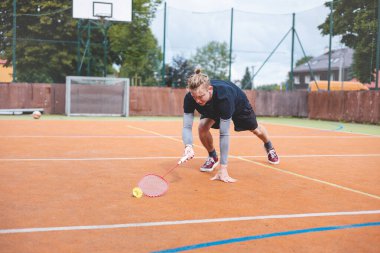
point(153, 185)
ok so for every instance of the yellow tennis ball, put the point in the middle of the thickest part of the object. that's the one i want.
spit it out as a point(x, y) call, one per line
point(137, 192)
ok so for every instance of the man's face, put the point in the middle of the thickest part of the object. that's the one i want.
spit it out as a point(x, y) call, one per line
point(202, 95)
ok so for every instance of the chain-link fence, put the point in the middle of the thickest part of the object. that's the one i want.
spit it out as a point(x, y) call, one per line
point(260, 43)
point(255, 49)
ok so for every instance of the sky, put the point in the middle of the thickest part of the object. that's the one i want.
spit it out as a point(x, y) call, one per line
point(259, 27)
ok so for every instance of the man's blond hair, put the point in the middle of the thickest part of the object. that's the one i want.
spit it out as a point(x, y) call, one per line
point(197, 79)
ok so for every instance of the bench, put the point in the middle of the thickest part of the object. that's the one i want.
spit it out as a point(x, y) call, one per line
point(20, 111)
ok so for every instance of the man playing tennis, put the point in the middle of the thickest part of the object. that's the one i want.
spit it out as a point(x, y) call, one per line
point(219, 102)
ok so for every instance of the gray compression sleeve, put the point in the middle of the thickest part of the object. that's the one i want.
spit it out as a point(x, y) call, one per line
point(187, 134)
point(224, 140)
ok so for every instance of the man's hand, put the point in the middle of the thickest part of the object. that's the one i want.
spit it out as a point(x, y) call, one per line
point(222, 175)
point(187, 154)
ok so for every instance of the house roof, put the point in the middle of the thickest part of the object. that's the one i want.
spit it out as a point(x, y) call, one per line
point(320, 63)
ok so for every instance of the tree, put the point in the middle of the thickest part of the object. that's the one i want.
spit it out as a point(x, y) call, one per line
point(46, 48)
point(246, 82)
point(213, 59)
point(178, 72)
point(303, 60)
point(269, 87)
point(133, 45)
point(356, 21)
point(47, 39)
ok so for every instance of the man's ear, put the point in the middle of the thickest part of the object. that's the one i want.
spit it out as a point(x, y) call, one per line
point(210, 88)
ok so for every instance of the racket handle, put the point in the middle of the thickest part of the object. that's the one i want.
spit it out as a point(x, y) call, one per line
point(182, 160)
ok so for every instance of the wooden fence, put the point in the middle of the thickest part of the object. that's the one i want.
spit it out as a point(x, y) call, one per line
point(348, 106)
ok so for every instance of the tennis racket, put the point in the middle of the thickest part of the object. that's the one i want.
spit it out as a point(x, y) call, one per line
point(153, 185)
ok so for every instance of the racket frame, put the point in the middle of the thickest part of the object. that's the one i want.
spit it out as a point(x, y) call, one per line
point(161, 178)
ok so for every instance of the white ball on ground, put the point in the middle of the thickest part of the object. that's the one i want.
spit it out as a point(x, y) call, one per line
point(36, 114)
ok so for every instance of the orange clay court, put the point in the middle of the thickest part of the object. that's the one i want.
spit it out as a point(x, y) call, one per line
point(66, 186)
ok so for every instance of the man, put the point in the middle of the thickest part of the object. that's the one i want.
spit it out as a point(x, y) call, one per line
point(219, 102)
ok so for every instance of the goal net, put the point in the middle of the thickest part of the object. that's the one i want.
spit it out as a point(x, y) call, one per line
point(97, 96)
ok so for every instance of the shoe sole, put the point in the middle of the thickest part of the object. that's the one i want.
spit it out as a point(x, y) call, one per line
point(211, 169)
point(274, 162)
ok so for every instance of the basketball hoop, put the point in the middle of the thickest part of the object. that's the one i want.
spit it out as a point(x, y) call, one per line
point(102, 20)
point(103, 10)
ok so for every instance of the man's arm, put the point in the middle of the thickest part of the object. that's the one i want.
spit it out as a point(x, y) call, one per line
point(187, 137)
point(187, 134)
point(222, 174)
point(224, 140)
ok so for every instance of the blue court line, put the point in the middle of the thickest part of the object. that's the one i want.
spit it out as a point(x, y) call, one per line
point(263, 236)
point(338, 128)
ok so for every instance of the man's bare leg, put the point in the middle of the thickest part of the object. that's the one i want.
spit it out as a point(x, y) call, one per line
point(262, 133)
point(205, 135)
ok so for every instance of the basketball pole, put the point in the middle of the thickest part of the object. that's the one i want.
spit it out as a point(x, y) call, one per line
point(292, 54)
point(164, 48)
point(378, 46)
point(14, 77)
point(330, 42)
point(231, 35)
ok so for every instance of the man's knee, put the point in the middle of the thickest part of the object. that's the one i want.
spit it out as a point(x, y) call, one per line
point(257, 131)
point(202, 127)
point(205, 125)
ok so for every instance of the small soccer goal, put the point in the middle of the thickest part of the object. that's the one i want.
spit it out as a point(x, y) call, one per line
point(97, 96)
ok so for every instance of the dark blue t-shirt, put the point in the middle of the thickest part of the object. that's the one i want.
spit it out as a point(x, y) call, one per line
point(227, 100)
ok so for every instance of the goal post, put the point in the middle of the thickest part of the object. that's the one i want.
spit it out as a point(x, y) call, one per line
point(97, 96)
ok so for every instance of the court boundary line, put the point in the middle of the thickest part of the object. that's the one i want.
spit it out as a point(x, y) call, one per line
point(185, 222)
point(175, 157)
point(313, 179)
point(268, 235)
point(278, 169)
point(322, 130)
point(178, 136)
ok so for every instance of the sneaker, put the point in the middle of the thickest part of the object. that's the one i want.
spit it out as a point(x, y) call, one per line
point(210, 164)
point(272, 157)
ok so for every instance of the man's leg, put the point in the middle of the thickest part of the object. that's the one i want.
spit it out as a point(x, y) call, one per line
point(262, 134)
point(205, 135)
point(206, 138)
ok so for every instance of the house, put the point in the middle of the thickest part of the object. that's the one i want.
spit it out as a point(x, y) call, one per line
point(341, 70)
point(5, 72)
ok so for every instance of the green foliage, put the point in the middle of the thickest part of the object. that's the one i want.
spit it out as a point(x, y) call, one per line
point(47, 42)
point(246, 82)
point(136, 51)
point(269, 87)
point(213, 59)
point(45, 50)
point(303, 60)
point(133, 45)
point(177, 74)
point(356, 21)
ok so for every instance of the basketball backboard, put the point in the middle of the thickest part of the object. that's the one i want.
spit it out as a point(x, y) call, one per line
point(112, 10)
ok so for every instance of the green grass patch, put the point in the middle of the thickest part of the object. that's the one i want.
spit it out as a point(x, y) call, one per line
point(325, 125)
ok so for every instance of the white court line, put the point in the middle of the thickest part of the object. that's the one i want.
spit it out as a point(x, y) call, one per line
point(178, 136)
point(183, 222)
point(280, 170)
point(176, 157)
point(318, 129)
